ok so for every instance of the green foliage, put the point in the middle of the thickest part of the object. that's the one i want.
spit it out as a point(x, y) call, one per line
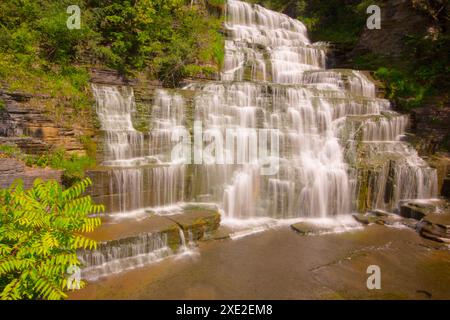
point(430, 59)
point(166, 38)
point(334, 20)
point(73, 165)
point(36, 48)
point(421, 71)
point(216, 2)
point(405, 92)
point(10, 150)
point(89, 145)
point(331, 20)
point(40, 231)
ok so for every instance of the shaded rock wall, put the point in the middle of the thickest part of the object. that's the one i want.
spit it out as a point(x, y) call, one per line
point(11, 170)
point(398, 18)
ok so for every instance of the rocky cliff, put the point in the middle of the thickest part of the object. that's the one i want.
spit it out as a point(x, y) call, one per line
point(26, 121)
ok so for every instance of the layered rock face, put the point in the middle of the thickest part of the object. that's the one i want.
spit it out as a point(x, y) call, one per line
point(12, 170)
point(25, 122)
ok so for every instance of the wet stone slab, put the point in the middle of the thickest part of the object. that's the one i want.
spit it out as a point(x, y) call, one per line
point(128, 228)
point(130, 243)
point(197, 223)
point(307, 229)
point(379, 217)
point(222, 233)
point(365, 219)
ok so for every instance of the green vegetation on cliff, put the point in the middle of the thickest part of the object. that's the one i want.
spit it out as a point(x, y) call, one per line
point(330, 20)
point(168, 39)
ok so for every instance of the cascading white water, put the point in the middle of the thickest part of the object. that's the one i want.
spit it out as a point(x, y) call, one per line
point(141, 174)
point(114, 108)
point(312, 180)
point(126, 254)
point(273, 78)
point(288, 89)
point(283, 40)
point(167, 117)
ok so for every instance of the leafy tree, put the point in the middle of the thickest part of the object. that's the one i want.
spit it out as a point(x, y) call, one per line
point(171, 39)
point(40, 231)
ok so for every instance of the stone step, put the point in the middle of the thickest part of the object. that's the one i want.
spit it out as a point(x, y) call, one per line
point(198, 221)
point(129, 243)
point(418, 209)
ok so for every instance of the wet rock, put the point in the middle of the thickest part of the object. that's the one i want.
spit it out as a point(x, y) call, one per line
point(410, 223)
point(114, 234)
point(305, 228)
point(381, 213)
point(128, 242)
point(388, 220)
point(380, 217)
point(417, 210)
point(442, 165)
point(197, 223)
point(129, 228)
point(222, 233)
point(435, 226)
point(366, 219)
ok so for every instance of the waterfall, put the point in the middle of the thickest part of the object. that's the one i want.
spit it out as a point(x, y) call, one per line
point(277, 77)
point(337, 144)
point(140, 172)
point(114, 108)
point(274, 55)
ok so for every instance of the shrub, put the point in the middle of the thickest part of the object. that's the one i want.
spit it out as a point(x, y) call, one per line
point(40, 231)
